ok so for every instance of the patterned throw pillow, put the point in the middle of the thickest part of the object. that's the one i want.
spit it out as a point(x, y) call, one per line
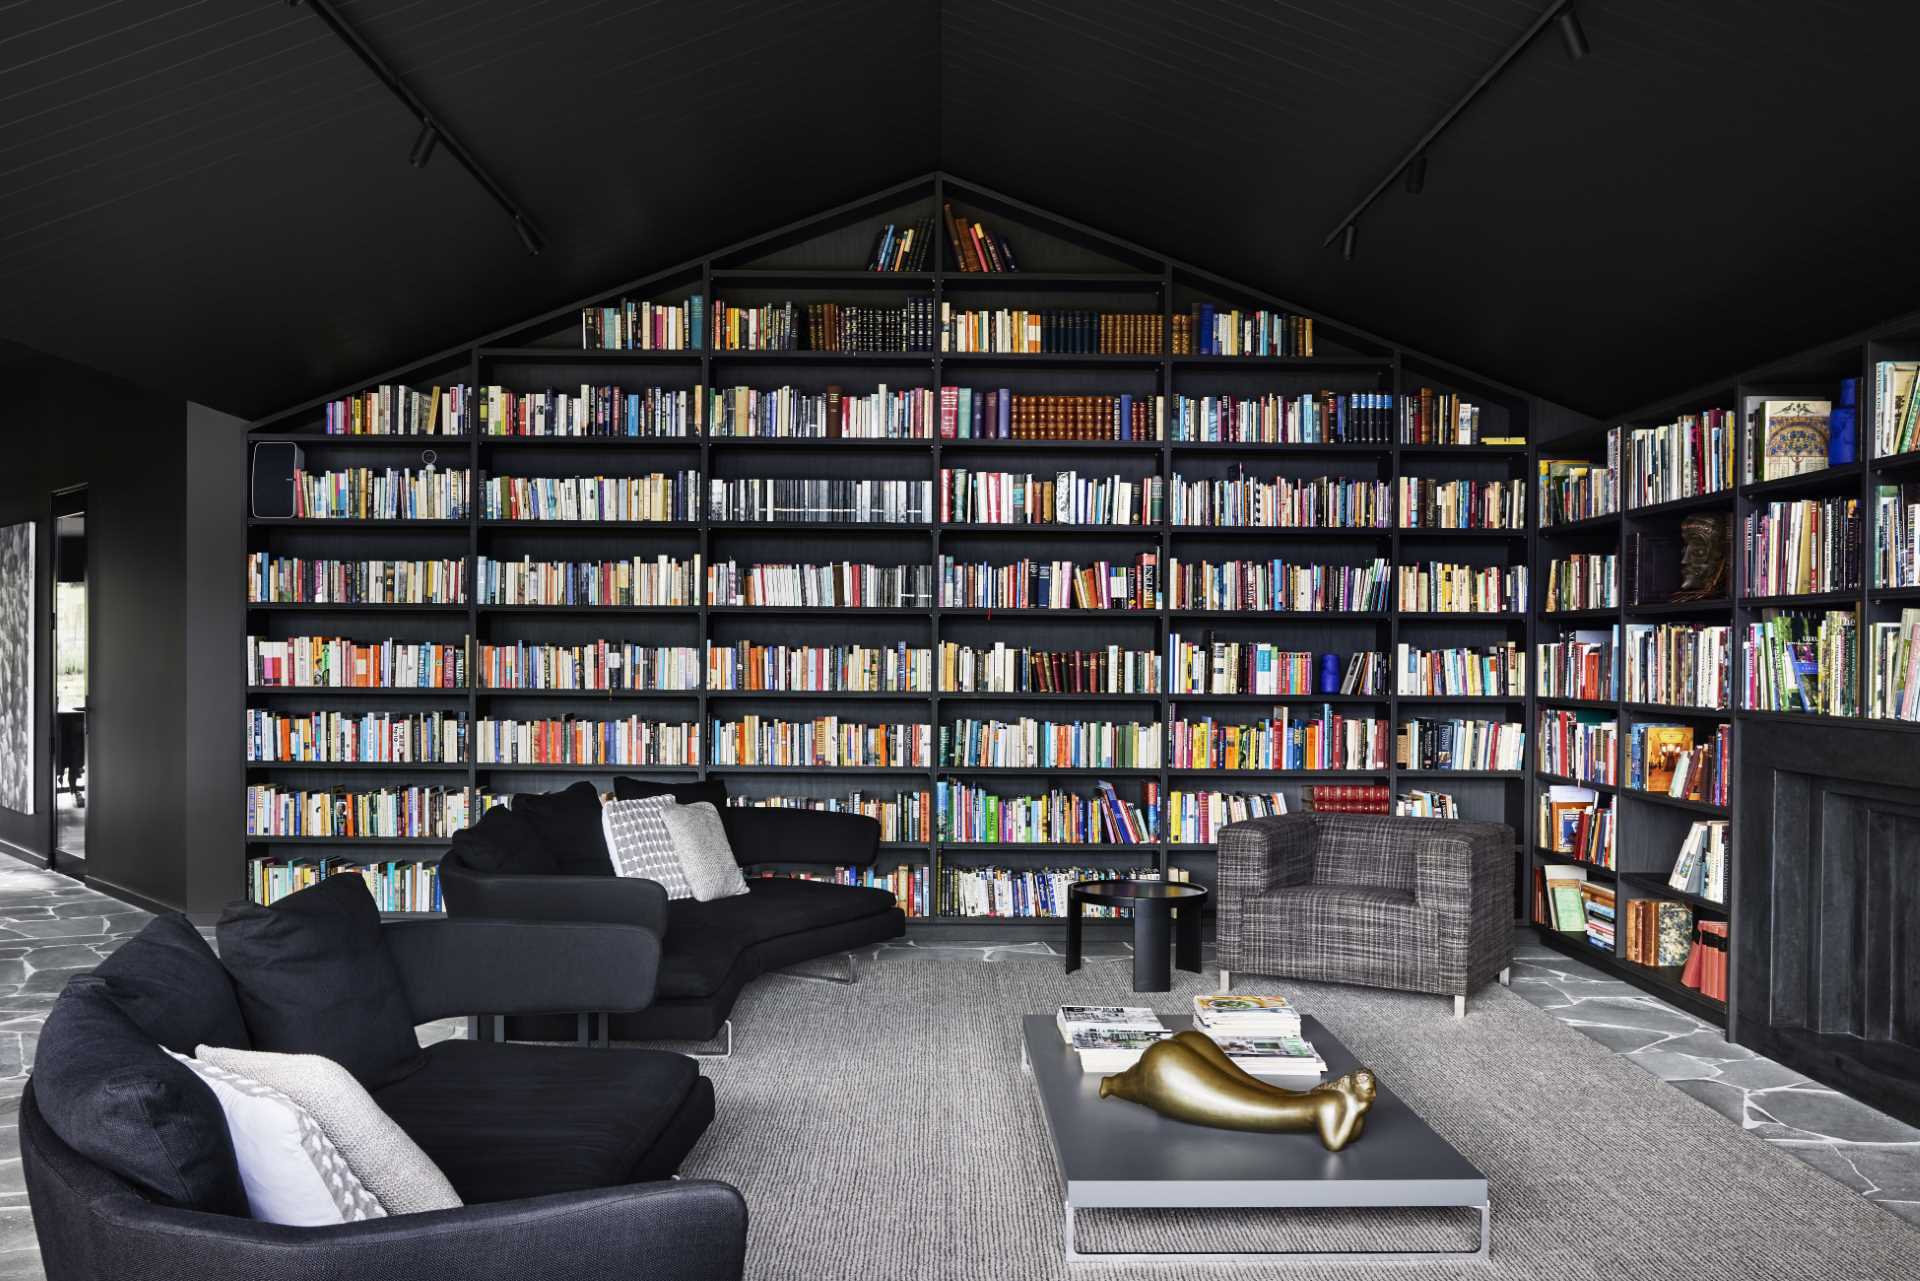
point(389, 1164)
point(641, 846)
point(700, 842)
point(292, 1173)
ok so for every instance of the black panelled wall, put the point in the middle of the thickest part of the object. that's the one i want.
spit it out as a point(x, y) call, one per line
point(150, 730)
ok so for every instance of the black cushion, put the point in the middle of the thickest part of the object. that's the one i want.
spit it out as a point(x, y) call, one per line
point(506, 840)
point(704, 939)
point(315, 977)
point(112, 1094)
point(684, 792)
point(507, 1121)
point(567, 822)
point(171, 985)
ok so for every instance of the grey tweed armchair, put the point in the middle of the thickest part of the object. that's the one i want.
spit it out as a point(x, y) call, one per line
point(1413, 904)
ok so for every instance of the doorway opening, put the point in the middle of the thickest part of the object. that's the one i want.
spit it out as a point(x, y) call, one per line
point(69, 625)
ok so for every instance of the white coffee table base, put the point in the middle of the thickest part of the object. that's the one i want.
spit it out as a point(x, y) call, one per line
point(1075, 1254)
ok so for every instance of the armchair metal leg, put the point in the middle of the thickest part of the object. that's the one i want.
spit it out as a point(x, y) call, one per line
point(1226, 981)
point(852, 977)
point(1506, 976)
point(1459, 1007)
point(726, 1039)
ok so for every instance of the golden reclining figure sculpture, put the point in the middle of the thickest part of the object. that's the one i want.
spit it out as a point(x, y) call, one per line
point(1189, 1078)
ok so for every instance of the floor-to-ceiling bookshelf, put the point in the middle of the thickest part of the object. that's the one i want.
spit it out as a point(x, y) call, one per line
point(1063, 264)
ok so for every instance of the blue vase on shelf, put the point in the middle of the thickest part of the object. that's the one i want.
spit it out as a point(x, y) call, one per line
point(1841, 433)
point(1329, 673)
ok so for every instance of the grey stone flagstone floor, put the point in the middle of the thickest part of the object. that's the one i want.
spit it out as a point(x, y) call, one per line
point(52, 928)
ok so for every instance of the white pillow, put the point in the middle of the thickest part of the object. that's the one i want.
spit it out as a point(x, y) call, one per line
point(700, 843)
point(387, 1163)
point(292, 1173)
point(638, 841)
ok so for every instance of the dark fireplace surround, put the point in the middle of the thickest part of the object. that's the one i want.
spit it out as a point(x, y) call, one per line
point(1826, 927)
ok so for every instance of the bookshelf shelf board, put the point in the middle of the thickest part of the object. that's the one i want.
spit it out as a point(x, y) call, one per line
point(1462, 773)
point(304, 522)
point(1495, 700)
point(1049, 848)
point(1891, 594)
point(902, 847)
point(1677, 506)
point(1579, 615)
point(803, 611)
point(1565, 781)
point(388, 767)
point(1304, 615)
point(592, 442)
point(828, 694)
point(948, 445)
point(1220, 772)
point(1058, 359)
point(808, 276)
point(890, 770)
point(683, 610)
point(1049, 530)
point(691, 527)
point(1375, 448)
point(1808, 600)
point(1678, 709)
point(1462, 451)
point(603, 695)
point(1593, 869)
point(528, 767)
point(309, 438)
point(962, 280)
point(1327, 534)
point(1197, 359)
point(591, 356)
point(1587, 525)
point(1048, 696)
point(1588, 704)
point(1459, 616)
point(336, 842)
point(1432, 532)
point(804, 357)
point(1675, 802)
point(1897, 462)
point(1667, 979)
point(328, 607)
point(1654, 885)
point(1671, 608)
point(822, 526)
point(1759, 714)
point(1829, 480)
point(1376, 699)
point(818, 442)
point(1048, 771)
point(365, 691)
point(978, 611)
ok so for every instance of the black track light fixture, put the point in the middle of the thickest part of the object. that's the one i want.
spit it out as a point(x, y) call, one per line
point(1417, 175)
point(423, 146)
point(1572, 34)
point(528, 235)
point(1349, 241)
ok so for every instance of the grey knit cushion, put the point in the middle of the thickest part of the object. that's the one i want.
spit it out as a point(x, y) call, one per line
point(389, 1164)
point(638, 840)
point(706, 856)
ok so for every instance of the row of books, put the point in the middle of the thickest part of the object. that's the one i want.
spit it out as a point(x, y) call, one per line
point(1195, 818)
point(903, 816)
point(1451, 743)
point(1893, 658)
point(1059, 584)
point(841, 585)
point(1576, 822)
point(599, 665)
point(1665, 758)
point(1896, 535)
point(975, 248)
point(1578, 745)
point(659, 496)
point(391, 410)
point(1582, 664)
point(1006, 669)
point(1701, 867)
point(1583, 580)
point(575, 740)
point(1261, 667)
point(1429, 503)
point(1347, 798)
point(1275, 586)
point(841, 669)
point(638, 581)
point(1896, 410)
point(1000, 413)
point(609, 412)
point(1576, 906)
point(974, 815)
point(791, 413)
point(1066, 498)
point(911, 887)
point(1028, 892)
point(1576, 489)
point(390, 812)
point(1444, 588)
point(825, 742)
point(388, 493)
point(1680, 664)
point(1659, 933)
point(790, 499)
point(1242, 501)
point(337, 663)
point(1017, 331)
point(356, 737)
point(825, 326)
point(903, 247)
point(298, 580)
point(1423, 803)
point(1706, 967)
point(1208, 329)
point(1030, 743)
point(640, 325)
point(1493, 671)
point(398, 886)
point(1690, 456)
point(1804, 547)
point(1797, 662)
point(1285, 741)
point(1277, 418)
point(1429, 417)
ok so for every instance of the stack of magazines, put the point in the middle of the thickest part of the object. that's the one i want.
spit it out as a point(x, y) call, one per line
point(1261, 1034)
point(1110, 1038)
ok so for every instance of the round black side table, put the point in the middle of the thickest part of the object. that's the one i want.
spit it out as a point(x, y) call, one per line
point(1153, 904)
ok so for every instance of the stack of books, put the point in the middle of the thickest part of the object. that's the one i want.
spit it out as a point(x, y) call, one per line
point(1261, 1034)
point(1109, 1038)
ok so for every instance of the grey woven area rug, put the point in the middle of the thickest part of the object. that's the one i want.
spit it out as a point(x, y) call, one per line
point(886, 1132)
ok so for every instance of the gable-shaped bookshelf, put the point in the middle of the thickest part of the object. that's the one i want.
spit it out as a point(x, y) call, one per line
point(1107, 400)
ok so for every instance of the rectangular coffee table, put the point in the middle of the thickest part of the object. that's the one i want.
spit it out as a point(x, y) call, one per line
point(1114, 1154)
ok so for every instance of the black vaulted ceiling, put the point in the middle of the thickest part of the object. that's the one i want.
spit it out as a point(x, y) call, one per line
point(212, 197)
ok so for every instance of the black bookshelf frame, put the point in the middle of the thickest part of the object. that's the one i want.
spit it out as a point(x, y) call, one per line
point(1078, 266)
